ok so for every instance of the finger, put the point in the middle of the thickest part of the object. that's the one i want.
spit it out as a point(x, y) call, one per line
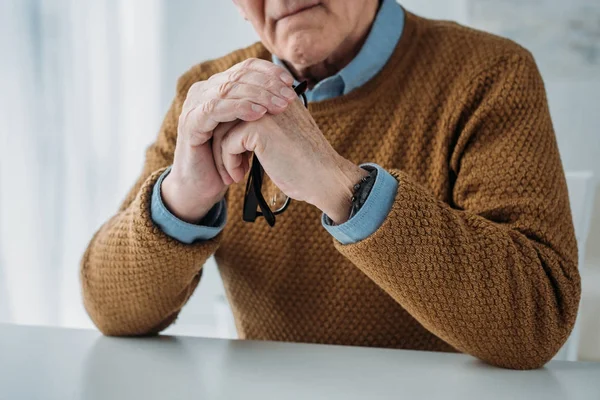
point(263, 81)
point(274, 103)
point(269, 82)
point(233, 147)
point(235, 167)
point(217, 139)
point(267, 67)
point(205, 117)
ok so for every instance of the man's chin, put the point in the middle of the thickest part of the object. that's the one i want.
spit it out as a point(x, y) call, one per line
point(305, 52)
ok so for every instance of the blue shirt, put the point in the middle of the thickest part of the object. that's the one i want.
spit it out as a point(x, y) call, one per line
point(374, 54)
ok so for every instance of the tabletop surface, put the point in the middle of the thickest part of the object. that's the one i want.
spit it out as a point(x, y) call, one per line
point(52, 364)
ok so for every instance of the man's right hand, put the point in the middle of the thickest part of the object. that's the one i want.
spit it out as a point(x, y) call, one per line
point(245, 92)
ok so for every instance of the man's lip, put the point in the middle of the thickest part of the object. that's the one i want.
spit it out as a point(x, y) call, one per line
point(299, 10)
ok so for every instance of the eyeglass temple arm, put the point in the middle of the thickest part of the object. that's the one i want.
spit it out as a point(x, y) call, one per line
point(257, 177)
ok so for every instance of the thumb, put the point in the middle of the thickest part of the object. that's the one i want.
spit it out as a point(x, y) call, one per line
point(240, 140)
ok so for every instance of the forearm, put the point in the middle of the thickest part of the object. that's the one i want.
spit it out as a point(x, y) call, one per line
point(484, 288)
point(135, 278)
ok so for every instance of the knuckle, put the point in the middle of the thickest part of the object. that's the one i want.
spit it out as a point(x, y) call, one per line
point(273, 84)
point(254, 141)
point(208, 106)
point(195, 88)
point(236, 75)
point(264, 97)
point(199, 137)
point(247, 63)
point(239, 106)
point(243, 110)
point(225, 88)
point(277, 70)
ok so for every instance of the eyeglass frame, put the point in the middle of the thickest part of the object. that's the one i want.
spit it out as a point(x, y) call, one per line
point(253, 198)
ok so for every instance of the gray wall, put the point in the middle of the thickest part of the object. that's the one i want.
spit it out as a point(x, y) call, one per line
point(199, 30)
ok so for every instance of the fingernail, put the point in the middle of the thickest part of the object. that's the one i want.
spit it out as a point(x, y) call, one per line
point(258, 108)
point(287, 78)
point(289, 93)
point(278, 101)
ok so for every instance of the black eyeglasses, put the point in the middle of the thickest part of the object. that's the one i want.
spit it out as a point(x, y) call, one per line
point(253, 199)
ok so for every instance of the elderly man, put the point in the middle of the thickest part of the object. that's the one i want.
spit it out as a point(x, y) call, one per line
point(429, 206)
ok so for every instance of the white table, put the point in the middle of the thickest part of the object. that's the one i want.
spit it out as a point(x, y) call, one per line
point(61, 364)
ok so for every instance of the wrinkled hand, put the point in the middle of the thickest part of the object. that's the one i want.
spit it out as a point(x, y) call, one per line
point(246, 92)
point(295, 155)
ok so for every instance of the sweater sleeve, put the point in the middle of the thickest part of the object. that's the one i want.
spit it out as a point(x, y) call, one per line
point(135, 278)
point(493, 272)
point(211, 225)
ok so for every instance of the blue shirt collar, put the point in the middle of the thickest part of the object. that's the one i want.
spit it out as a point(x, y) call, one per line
point(372, 57)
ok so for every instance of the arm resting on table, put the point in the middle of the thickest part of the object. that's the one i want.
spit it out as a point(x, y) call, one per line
point(494, 273)
point(135, 278)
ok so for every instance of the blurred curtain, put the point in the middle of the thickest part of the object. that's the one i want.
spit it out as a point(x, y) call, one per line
point(79, 98)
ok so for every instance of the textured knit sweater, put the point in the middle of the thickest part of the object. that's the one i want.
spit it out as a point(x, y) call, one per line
point(477, 254)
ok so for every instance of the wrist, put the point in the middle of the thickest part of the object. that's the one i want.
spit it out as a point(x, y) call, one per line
point(183, 204)
point(336, 202)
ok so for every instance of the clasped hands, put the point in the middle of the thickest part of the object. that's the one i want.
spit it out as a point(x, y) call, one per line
point(247, 109)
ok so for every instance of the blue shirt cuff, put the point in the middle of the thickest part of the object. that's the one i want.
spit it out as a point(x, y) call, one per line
point(372, 214)
point(210, 226)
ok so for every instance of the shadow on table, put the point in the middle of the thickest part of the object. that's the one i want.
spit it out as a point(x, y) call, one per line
point(132, 368)
point(361, 373)
point(486, 377)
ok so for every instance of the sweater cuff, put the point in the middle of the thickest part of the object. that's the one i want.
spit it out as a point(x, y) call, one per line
point(209, 227)
point(371, 215)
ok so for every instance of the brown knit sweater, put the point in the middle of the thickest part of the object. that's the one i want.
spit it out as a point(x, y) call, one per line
point(477, 255)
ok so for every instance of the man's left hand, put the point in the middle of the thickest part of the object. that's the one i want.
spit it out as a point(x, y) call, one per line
point(295, 155)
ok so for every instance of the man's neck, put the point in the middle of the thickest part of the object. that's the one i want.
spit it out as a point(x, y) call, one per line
point(340, 58)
